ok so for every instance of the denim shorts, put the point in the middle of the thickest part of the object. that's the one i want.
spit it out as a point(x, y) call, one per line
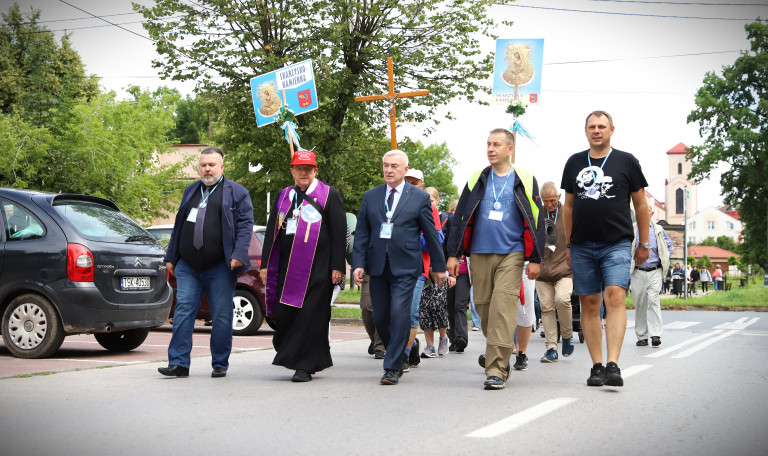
point(598, 264)
point(417, 289)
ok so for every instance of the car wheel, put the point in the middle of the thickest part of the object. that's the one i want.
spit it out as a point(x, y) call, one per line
point(122, 341)
point(248, 316)
point(32, 327)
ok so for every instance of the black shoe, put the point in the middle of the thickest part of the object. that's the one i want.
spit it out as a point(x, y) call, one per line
point(218, 372)
point(481, 360)
point(174, 371)
point(521, 362)
point(370, 349)
point(301, 376)
point(596, 375)
point(613, 375)
point(642, 342)
point(461, 344)
point(405, 366)
point(379, 354)
point(655, 341)
point(391, 377)
point(413, 358)
point(452, 348)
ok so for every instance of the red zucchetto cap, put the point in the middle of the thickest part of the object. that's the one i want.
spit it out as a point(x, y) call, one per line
point(304, 157)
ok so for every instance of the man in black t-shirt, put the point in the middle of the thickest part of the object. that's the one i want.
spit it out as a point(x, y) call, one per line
point(599, 184)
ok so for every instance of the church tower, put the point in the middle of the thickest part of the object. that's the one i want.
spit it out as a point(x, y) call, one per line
point(675, 185)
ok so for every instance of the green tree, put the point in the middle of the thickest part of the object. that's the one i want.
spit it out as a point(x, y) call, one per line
point(732, 112)
point(38, 77)
point(704, 262)
point(101, 147)
point(436, 162)
point(434, 43)
point(191, 122)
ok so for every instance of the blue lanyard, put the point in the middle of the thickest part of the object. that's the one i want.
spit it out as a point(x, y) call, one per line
point(556, 211)
point(594, 176)
point(203, 198)
point(495, 196)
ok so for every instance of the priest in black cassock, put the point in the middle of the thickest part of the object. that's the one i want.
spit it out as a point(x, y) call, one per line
point(302, 258)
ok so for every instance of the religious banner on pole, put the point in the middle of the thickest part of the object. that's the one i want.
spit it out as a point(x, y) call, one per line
point(293, 86)
point(517, 71)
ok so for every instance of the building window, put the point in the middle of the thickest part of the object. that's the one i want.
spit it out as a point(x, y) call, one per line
point(692, 225)
point(728, 225)
point(693, 239)
point(679, 168)
point(679, 205)
point(711, 226)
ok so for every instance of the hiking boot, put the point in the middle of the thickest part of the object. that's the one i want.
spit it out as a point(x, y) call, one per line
point(568, 347)
point(442, 347)
point(596, 375)
point(429, 352)
point(494, 383)
point(613, 375)
point(521, 362)
point(550, 356)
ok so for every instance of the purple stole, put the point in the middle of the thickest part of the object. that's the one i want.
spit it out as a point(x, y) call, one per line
point(302, 251)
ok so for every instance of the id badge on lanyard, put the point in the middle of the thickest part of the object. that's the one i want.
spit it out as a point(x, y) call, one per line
point(386, 230)
point(290, 226)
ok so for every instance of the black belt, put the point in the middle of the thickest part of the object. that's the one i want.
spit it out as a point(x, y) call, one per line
point(658, 266)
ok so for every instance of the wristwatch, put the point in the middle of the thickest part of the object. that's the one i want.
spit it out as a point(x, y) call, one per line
point(647, 245)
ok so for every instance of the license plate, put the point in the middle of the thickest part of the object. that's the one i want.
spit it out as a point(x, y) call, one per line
point(134, 283)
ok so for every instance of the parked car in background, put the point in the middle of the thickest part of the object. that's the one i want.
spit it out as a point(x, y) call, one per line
point(249, 302)
point(75, 264)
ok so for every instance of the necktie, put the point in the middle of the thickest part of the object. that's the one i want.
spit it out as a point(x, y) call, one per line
point(391, 200)
point(197, 237)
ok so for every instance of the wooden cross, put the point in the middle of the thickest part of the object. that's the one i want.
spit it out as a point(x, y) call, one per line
point(391, 96)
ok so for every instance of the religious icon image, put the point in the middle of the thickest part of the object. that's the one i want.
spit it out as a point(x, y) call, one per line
point(270, 101)
point(520, 70)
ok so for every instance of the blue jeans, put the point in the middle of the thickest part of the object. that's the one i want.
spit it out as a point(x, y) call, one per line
point(415, 302)
point(218, 284)
point(472, 311)
point(597, 265)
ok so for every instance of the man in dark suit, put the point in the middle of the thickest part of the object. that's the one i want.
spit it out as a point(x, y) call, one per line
point(388, 247)
point(208, 249)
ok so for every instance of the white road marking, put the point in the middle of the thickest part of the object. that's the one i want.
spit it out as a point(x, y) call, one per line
point(681, 324)
point(632, 370)
point(741, 323)
point(682, 344)
point(517, 420)
point(705, 344)
point(99, 361)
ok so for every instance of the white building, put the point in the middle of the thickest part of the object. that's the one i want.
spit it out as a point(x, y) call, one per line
point(712, 222)
point(676, 184)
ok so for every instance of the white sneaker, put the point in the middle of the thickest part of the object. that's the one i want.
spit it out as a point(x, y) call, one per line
point(442, 348)
point(429, 352)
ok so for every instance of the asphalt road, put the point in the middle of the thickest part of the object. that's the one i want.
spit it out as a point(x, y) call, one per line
point(702, 392)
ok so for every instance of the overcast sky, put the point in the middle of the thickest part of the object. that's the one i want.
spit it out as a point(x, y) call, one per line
point(642, 64)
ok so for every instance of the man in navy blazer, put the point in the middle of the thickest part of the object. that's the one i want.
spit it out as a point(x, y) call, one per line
point(208, 249)
point(388, 247)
